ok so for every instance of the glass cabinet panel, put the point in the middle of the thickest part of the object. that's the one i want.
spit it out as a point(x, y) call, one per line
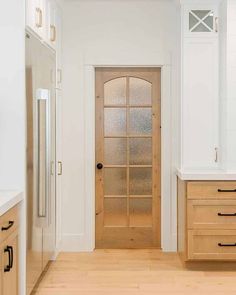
point(201, 21)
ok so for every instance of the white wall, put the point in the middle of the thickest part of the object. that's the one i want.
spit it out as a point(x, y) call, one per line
point(228, 83)
point(12, 107)
point(223, 81)
point(231, 85)
point(93, 28)
point(12, 112)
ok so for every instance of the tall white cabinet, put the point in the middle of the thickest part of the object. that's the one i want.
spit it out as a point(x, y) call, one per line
point(59, 76)
point(200, 90)
point(36, 16)
point(44, 20)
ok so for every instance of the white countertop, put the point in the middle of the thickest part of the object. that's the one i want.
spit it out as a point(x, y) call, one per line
point(8, 199)
point(206, 175)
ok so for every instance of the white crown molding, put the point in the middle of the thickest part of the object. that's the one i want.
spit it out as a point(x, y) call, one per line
point(182, 2)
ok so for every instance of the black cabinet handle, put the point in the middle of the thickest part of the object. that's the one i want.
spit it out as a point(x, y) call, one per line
point(8, 267)
point(226, 214)
point(9, 226)
point(227, 245)
point(99, 166)
point(11, 262)
point(227, 190)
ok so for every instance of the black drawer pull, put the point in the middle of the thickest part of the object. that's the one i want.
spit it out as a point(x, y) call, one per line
point(8, 267)
point(9, 226)
point(11, 263)
point(227, 190)
point(227, 245)
point(226, 214)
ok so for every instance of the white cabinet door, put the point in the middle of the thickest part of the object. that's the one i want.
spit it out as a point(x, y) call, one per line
point(59, 165)
point(51, 30)
point(200, 103)
point(31, 6)
point(36, 16)
point(200, 20)
point(59, 47)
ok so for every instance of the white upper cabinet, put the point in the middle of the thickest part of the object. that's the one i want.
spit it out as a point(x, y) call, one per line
point(200, 87)
point(58, 23)
point(43, 17)
point(200, 104)
point(36, 16)
point(51, 36)
point(200, 20)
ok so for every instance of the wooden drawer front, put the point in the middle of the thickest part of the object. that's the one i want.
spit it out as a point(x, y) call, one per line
point(8, 223)
point(211, 190)
point(211, 214)
point(212, 244)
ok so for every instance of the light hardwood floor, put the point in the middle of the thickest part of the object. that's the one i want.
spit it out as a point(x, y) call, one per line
point(135, 272)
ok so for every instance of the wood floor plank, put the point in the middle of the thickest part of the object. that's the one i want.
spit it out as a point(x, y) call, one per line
point(135, 272)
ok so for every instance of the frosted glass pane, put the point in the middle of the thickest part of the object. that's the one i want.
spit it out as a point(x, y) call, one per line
point(115, 181)
point(115, 211)
point(201, 13)
point(140, 121)
point(115, 151)
point(140, 212)
point(201, 28)
point(140, 181)
point(209, 21)
point(115, 92)
point(192, 21)
point(140, 92)
point(114, 121)
point(140, 151)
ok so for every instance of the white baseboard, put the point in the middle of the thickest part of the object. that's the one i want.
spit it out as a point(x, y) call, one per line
point(79, 243)
point(75, 243)
point(170, 245)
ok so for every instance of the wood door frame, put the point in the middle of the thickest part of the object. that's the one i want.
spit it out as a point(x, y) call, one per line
point(151, 75)
point(168, 177)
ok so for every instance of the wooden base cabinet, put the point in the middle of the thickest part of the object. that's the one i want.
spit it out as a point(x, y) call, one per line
point(207, 220)
point(9, 255)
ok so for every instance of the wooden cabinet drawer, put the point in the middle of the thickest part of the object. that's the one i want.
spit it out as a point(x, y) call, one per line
point(9, 254)
point(8, 223)
point(212, 244)
point(211, 214)
point(211, 190)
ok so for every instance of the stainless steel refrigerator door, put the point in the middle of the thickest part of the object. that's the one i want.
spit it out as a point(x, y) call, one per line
point(40, 71)
point(49, 230)
point(34, 229)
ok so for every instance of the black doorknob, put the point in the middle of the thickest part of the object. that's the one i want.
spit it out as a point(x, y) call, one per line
point(99, 166)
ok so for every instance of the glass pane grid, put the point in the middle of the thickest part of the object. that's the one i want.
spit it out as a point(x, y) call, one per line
point(201, 21)
point(128, 157)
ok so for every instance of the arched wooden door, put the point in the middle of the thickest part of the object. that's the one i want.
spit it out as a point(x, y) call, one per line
point(128, 157)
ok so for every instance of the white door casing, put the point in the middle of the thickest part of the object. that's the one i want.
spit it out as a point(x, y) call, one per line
point(168, 178)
